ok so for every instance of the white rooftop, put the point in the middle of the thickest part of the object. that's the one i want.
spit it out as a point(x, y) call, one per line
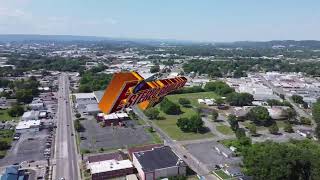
point(108, 165)
point(84, 95)
point(27, 124)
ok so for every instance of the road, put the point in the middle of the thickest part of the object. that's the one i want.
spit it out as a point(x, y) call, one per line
point(65, 151)
point(300, 112)
point(193, 163)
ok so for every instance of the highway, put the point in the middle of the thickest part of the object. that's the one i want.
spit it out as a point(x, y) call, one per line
point(65, 148)
point(193, 163)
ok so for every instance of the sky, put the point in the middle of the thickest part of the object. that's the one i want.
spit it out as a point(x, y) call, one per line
point(196, 20)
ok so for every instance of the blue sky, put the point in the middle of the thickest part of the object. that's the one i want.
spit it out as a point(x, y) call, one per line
point(199, 20)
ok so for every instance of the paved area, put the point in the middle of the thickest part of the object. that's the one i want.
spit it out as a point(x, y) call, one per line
point(111, 137)
point(206, 154)
point(26, 149)
point(66, 156)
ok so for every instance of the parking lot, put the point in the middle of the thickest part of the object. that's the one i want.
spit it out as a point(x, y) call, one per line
point(95, 137)
point(207, 155)
point(30, 147)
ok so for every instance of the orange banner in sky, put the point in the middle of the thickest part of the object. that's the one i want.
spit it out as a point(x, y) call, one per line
point(127, 89)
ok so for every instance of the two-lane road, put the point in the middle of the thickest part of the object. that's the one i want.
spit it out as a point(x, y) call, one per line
point(65, 153)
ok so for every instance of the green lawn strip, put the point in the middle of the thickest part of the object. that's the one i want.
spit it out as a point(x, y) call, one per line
point(224, 129)
point(221, 174)
point(4, 116)
point(155, 137)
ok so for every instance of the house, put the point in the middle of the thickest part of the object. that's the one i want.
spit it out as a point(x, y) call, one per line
point(233, 171)
point(158, 162)
point(30, 115)
point(226, 152)
point(28, 126)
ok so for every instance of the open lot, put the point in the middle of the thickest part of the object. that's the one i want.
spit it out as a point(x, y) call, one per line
point(26, 149)
point(96, 137)
point(207, 155)
point(168, 122)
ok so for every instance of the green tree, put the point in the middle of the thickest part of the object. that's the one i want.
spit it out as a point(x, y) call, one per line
point(214, 115)
point(184, 102)
point(288, 127)
point(233, 121)
point(291, 113)
point(274, 129)
point(169, 107)
point(184, 124)
point(218, 87)
point(305, 121)
point(16, 111)
point(297, 99)
point(155, 69)
point(78, 115)
point(275, 161)
point(259, 115)
point(77, 125)
point(152, 113)
point(252, 128)
point(240, 133)
point(240, 99)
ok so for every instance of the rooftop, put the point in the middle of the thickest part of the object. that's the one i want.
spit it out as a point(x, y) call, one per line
point(27, 124)
point(109, 165)
point(102, 157)
point(157, 158)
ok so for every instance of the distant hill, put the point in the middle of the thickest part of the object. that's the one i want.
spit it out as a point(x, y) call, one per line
point(303, 44)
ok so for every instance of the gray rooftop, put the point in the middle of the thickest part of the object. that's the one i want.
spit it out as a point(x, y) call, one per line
point(157, 158)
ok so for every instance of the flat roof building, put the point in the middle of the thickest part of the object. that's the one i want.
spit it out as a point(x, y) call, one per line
point(158, 162)
point(28, 126)
point(107, 169)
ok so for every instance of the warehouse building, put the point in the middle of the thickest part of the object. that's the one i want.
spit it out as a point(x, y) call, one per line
point(157, 163)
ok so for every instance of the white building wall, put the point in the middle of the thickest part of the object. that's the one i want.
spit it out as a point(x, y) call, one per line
point(34, 129)
point(138, 167)
point(168, 172)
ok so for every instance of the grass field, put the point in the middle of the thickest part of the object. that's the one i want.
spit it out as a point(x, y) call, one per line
point(193, 97)
point(168, 122)
point(224, 129)
point(4, 116)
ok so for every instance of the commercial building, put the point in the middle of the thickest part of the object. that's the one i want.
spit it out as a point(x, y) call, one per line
point(110, 168)
point(157, 163)
point(113, 119)
point(30, 115)
point(37, 106)
point(28, 126)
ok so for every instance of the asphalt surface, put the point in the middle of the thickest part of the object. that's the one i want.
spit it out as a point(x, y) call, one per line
point(66, 152)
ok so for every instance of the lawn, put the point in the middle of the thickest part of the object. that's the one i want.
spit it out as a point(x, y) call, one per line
point(226, 130)
point(5, 135)
point(168, 122)
point(221, 174)
point(193, 97)
point(4, 116)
